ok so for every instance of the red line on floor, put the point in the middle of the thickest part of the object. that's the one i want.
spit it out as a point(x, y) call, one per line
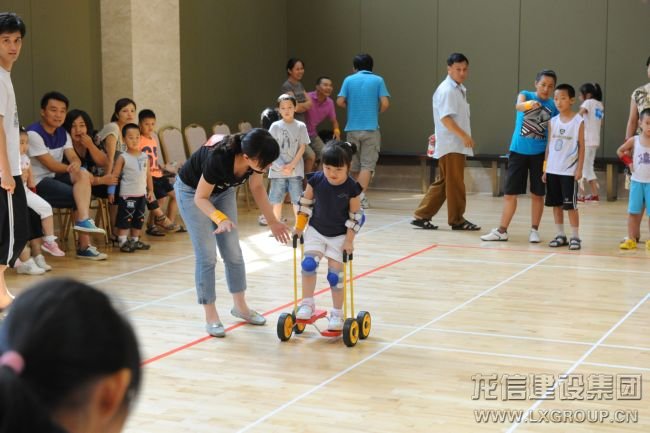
point(281, 307)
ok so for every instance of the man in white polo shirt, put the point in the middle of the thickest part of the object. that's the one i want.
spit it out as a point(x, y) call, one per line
point(453, 143)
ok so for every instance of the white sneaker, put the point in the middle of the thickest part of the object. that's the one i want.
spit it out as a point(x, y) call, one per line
point(261, 220)
point(305, 311)
point(495, 235)
point(533, 237)
point(336, 323)
point(40, 262)
point(29, 268)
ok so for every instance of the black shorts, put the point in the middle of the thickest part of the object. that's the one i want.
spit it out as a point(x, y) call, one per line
point(130, 212)
point(562, 191)
point(522, 168)
point(35, 225)
point(14, 223)
point(161, 187)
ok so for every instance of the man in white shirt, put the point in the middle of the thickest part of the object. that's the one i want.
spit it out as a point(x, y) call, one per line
point(13, 203)
point(453, 142)
point(62, 183)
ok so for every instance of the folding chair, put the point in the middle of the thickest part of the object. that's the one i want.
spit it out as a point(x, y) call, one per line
point(195, 136)
point(220, 128)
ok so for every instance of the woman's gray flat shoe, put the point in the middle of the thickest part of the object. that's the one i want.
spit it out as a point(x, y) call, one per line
point(215, 329)
point(254, 317)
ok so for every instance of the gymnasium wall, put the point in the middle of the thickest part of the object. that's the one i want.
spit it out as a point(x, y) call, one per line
point(506, 41)
point(233, 56)
point(232, 59)
point(61, 51)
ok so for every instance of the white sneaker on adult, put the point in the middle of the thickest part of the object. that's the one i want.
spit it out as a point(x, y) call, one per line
point(533, 237)
point(41, 263)
point(495, 235)
point(29, 268)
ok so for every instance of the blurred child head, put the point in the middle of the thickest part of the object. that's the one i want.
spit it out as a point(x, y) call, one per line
point(287, 107)
point(131, 134)
point(67, 342)
point(147, 122)
point(337, 157)
point(268, 116)
point(591, 90)
point(24, 141)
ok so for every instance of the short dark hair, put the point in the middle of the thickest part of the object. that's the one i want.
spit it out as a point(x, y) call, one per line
point(10, 23)
point(546, 73)
point(456, 58)
point(321, 78)
point(57, 96)
point(567, 88)
point(73, 115)
point(363, 62)
point(644, 113)
point(128, 126)
point(146, 114)
point(287, 97)
point(647, 63)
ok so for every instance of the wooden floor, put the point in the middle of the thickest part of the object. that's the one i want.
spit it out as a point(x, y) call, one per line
point(459, 325)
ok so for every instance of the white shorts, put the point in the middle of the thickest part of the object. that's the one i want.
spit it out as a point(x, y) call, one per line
point(588, 166)
point(330, 247)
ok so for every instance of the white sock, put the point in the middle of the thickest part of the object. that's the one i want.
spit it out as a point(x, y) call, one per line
point(308, 301)
point(560, 229)
point(135, 238)
point(336, 312)
point(49, 238)
point(121, 240)
point(574, 233)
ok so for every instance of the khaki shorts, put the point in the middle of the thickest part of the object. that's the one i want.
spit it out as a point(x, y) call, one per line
point(368, 144)
point(314, 150)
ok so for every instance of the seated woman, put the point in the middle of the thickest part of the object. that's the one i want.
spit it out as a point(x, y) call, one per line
point(69, 362)
point(93, 158)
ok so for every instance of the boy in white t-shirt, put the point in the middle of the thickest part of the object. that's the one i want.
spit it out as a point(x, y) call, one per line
point(565, 153)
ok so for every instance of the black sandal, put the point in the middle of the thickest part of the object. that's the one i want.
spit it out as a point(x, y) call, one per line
point(466, 225)
point(154, 231)
point(424, 224)
point(558, 241)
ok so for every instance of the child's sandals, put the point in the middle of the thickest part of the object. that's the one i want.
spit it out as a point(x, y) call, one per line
point(558, 241)
point(166, 224)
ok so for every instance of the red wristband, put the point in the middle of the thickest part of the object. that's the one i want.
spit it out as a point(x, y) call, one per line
point(627, 159)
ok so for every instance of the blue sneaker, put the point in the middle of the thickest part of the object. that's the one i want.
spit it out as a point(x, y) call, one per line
point(88, 226)
point(91, 253)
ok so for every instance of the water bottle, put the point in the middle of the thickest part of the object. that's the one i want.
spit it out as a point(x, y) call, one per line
point(432, 145)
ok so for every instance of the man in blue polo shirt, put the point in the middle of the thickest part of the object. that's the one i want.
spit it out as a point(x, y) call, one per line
point(365, 95)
